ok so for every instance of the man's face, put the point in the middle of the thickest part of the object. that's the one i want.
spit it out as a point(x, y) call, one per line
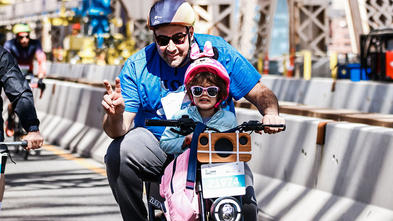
point(23, 39)
point(172, 43)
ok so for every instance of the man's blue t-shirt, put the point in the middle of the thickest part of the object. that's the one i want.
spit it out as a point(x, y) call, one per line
point(146, 78)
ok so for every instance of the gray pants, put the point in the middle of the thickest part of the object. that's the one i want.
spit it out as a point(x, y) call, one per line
point(137, 157)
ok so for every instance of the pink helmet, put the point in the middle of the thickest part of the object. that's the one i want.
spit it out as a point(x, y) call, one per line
point(207, 64)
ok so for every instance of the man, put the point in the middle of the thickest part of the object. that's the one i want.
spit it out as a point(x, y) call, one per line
point(69, 44)
point(24, 51)
point(151, 87)
point(19, 93)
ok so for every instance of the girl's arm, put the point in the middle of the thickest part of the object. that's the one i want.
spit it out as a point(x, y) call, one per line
point(171, 142)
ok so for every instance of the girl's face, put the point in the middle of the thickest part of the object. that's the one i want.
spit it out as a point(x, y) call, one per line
point(205, 102)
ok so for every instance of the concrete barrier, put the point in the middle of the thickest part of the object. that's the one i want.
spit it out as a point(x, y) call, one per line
point(365, 96)
point(90, 114)
point(71, 116)
point(77, 70)
point(357, 163)
point(60, 69)
point(290, 156)
point(346, 177)
point(88, 72)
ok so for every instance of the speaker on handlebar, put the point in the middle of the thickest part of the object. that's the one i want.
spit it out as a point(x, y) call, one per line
point(224, 147)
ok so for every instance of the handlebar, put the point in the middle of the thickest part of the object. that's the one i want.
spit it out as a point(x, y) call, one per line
point(182, 122)
point(254, 125)
point(5, 151)
point(187, 125)
point(165, 123)
point(22, 143)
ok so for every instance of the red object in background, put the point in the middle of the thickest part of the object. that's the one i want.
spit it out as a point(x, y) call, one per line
point(389, 64)
point(76, 26)
point(291, 66)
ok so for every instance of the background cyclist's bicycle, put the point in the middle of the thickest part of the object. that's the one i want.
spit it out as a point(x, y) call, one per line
point(4, 155)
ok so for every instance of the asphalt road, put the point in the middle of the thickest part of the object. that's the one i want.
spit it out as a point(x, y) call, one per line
point(57, 185)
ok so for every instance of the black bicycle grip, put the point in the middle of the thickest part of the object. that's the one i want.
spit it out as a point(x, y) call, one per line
point(276, 125)
point(41, 85)
point(23, 143)
point(257, 126)
point(166, 123)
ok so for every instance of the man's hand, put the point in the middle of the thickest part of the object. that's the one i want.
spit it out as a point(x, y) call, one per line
point(113, 102)
point(34, 140)
point(273, 119)
point(117, 121)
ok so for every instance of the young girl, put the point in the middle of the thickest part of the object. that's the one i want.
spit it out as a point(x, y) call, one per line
point(207, 85)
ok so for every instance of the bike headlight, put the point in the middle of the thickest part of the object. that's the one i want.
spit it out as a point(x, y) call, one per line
point(226, 209)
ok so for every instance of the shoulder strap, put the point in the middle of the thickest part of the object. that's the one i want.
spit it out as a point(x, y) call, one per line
point(192, 161)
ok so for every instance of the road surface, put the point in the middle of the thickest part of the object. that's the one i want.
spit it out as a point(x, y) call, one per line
point(57, 185)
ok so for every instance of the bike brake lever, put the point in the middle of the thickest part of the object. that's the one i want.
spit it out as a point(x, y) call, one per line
point(7, 153)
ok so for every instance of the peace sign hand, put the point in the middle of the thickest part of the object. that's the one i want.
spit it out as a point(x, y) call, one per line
point(112, 101)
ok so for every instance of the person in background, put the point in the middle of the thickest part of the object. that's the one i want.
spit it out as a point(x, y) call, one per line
point(71, 43)
point(101, 57)
point(25, 50)
point(150, 86)
point(19, 93)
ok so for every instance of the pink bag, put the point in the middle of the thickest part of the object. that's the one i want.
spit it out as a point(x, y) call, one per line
point(180, 203)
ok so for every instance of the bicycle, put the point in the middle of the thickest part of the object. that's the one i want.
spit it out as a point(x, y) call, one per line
point(4, 154)
point(219, 158)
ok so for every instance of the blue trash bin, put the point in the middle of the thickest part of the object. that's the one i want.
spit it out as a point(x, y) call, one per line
point(354, 71)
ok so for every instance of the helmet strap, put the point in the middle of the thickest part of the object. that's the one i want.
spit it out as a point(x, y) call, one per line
point(187, 59)
point(218, 103)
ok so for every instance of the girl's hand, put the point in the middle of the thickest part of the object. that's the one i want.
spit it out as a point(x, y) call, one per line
point(187, 141)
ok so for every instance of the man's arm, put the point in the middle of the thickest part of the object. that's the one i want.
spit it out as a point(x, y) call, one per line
point(7, 46)
point(41, 59)
point(266, 102)
point(117, 122)
point(264, 99)
point(118, 125)
point(19, 93)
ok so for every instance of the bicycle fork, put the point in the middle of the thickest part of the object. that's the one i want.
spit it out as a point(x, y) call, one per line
point(3, 161)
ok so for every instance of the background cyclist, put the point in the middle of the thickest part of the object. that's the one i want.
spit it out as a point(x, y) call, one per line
point(25, 50)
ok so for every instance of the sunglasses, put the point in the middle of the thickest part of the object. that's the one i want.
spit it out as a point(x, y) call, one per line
point(197, 91)
point(178, 38)
point(23, 36)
